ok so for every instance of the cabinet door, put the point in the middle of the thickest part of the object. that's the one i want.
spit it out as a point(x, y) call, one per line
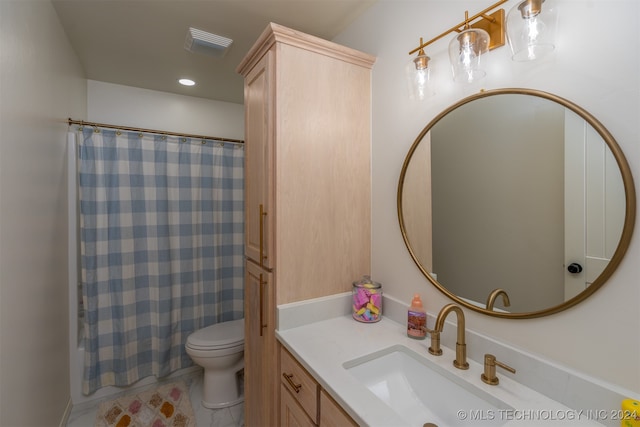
point(260, 359)
point(331, 414)
point(291, 413)
point(258, 99)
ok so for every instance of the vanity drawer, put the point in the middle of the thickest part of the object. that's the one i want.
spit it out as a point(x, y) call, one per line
point(300, 384)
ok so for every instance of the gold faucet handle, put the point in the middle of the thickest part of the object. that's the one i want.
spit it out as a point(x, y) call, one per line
point(489, 376)
point(435, 342)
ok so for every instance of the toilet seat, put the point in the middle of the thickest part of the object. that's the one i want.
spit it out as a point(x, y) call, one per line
point(218, 336)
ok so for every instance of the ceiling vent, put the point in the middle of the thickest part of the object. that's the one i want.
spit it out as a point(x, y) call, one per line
point(199, 41)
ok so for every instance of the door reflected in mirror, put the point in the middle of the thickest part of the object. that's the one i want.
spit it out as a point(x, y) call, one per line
point(519, 191)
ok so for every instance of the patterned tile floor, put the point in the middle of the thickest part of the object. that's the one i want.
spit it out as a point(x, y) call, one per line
point(227, 417)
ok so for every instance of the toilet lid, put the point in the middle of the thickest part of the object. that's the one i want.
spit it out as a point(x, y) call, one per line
point(220, 335)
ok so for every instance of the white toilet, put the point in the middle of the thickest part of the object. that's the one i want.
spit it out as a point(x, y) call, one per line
point(219, 349)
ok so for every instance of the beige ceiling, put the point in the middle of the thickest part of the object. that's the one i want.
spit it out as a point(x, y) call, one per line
point(140, 43)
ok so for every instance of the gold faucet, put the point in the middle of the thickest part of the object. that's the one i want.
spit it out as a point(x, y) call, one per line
point(494, 294)
point(489, 375)
point(461, 346)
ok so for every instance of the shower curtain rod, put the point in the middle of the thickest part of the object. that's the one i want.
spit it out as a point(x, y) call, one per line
point(160, 132)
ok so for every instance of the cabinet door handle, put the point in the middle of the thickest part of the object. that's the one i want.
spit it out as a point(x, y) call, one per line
point(289, 378)
point(262, 324)
point(262, 215)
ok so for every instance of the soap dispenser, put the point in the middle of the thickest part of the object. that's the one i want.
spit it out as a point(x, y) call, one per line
point(417, 319)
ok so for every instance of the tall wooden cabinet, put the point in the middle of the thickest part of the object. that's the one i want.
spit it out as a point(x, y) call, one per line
point(307, 188)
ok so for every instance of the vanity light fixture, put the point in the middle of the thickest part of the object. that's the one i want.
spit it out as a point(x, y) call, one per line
point(477, 35)
point(531, 30)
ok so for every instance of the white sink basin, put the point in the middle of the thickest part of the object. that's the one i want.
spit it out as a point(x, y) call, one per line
point(421, 392)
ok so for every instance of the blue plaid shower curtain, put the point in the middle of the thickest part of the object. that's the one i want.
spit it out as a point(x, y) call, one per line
point(161, 230)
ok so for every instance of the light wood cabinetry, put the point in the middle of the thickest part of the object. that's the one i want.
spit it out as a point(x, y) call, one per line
point(291, 413)
point(259, 347)
point(307, 187)
point(303, 402)
point(258, 187)
point(300, 384)
point(331, 414)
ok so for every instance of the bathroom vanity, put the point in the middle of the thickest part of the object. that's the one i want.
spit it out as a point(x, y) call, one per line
point(303, 402)
point(328, 352)
point(308, 151)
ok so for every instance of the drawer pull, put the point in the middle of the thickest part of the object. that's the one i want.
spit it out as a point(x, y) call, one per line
point(289, 378)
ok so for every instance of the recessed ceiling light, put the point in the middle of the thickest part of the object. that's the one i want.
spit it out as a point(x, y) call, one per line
point(186, 82)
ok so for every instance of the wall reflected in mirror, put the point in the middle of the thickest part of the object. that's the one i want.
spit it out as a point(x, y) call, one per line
point(506, 191)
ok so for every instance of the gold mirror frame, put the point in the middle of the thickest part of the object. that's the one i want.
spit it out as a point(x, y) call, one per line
point(629, 191)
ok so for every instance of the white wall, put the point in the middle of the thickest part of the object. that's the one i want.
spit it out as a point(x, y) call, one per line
point(596, 66)
point(41, 83)
point(129, 106)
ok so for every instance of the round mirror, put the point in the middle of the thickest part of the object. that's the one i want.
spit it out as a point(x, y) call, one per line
point(516, 203)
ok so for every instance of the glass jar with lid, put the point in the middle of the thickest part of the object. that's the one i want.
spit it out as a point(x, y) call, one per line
point(367, 300)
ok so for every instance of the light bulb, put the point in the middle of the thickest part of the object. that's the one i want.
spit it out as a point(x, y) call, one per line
point(465, 52)
point(528, 30)
point(417, 71)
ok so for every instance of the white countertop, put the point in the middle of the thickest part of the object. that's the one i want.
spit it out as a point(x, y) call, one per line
point(323, 346)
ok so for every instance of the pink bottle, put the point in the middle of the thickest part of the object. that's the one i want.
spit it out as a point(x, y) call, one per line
point(417, 319)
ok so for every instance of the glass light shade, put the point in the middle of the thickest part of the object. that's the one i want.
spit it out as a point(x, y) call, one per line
point(465, 52)
point(531, 28)
point(417, 72)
